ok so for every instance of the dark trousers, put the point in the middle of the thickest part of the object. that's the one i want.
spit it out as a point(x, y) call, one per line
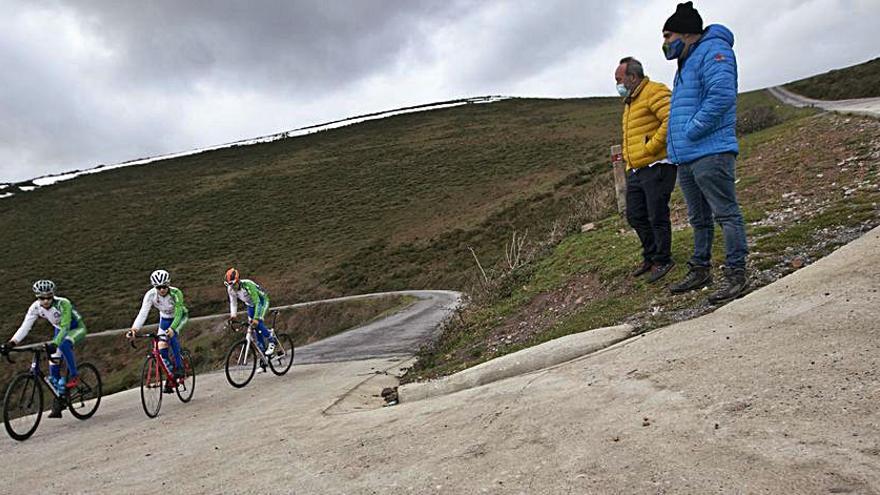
point(647, 209)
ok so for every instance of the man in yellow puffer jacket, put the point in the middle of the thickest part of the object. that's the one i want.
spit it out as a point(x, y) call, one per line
point(650, 178)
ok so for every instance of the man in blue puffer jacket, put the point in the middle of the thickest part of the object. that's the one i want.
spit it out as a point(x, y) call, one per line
point(702, 142)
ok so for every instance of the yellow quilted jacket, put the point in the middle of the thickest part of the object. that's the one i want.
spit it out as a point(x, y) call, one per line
point(645, 118)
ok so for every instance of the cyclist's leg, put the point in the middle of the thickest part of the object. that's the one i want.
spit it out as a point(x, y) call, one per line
point(55, 363)
point(66, 349)
point(259, 334)
point(76, 335)
point(175, 342)
point(164, 324)
point(264, 330)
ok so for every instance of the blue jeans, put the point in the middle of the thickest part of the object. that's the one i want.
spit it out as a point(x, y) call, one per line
point(708, 185)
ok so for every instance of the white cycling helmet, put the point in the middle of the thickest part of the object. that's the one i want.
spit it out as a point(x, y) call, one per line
point(44, 288)
point(160, 277)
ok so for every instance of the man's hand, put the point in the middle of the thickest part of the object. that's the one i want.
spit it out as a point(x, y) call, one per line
point(4, 348)
point(253, 323)
point(131, 334)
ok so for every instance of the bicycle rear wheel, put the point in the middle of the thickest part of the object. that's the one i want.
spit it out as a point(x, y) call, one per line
point(83, 400)
point(241, 364)
point(282, 360)
point(151, 387)
point(22, 406)
point(187, 387)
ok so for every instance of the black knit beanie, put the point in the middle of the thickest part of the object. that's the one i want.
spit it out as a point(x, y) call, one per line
point(685, 20)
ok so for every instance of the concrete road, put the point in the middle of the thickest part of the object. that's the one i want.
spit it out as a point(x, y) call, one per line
point(398, 335)
point(774, 393)
point(860, 106)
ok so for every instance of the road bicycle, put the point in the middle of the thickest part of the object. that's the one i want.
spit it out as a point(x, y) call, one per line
point(244, 355)
point(23, 401)
point(155, 375)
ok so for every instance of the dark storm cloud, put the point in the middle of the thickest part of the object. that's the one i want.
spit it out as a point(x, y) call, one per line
point(292, 47)
point(103, 81)
point(528, 37)
point(124, 92)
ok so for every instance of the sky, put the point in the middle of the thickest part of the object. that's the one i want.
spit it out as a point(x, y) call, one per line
point(92, 82)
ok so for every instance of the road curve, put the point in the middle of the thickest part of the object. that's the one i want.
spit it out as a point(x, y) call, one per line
point(859, 106)
point(400, 334)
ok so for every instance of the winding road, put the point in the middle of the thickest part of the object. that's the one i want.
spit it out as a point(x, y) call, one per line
point(400, 334)
point(861, 106)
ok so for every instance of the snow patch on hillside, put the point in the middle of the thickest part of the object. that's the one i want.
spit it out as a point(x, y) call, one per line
point(48, 180)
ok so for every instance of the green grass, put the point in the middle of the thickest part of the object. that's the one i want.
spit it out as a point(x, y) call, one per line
point(386, 204)
point(857, 81)
point(610, 252)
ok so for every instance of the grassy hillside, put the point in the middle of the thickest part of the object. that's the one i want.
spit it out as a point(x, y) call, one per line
point(807, 184)
point(857, 81)
point(385, 204)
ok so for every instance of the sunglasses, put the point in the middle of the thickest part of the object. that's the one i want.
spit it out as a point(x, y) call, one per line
point(161, 287)
point(45, 298)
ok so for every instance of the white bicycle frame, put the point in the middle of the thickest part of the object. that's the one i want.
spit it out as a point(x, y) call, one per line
point(250, 340)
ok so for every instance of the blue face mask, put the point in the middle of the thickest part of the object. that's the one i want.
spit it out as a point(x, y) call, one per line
point(673, 50)
point(622, 91)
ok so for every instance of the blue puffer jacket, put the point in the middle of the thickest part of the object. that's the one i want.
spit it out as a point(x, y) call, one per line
point(702, 115)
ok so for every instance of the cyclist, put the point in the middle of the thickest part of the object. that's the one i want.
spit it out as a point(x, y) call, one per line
point(69, 330)
point(173, 316)
point(257, 301)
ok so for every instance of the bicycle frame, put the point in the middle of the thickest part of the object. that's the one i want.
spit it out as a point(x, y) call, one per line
point(251, 339)
point(37, 372)
point(154, 351)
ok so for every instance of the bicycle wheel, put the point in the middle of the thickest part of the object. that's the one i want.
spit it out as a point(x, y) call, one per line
point(186, 388)
point(283, 358)
point(83, 400)
point(151, 387)
point(22, 406)
point(241, 364)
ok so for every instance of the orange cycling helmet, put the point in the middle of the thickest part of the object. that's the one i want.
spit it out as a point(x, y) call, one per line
point(231, 276)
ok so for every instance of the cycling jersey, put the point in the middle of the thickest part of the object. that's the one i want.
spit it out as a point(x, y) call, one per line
point(61, 314)
point(170, 307)
point(252, 295)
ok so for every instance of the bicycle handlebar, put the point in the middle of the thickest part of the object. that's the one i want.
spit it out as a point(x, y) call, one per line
point(34, 350)
point(141, 336)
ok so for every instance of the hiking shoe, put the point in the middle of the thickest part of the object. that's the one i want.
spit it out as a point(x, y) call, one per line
point(697, 277)
point(644, 268)
point(658, 271)
point(734, 285)
point(57, 407)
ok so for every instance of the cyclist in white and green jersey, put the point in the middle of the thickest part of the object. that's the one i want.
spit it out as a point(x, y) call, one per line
point(69, 330)
point(257, 301)
point(173, 316)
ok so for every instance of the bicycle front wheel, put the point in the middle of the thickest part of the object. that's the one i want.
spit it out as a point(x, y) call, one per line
point(186, 388)
point(151, 387)
point(241, 364)
point(83, 400)
point(282, 360)
point(22, 406)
